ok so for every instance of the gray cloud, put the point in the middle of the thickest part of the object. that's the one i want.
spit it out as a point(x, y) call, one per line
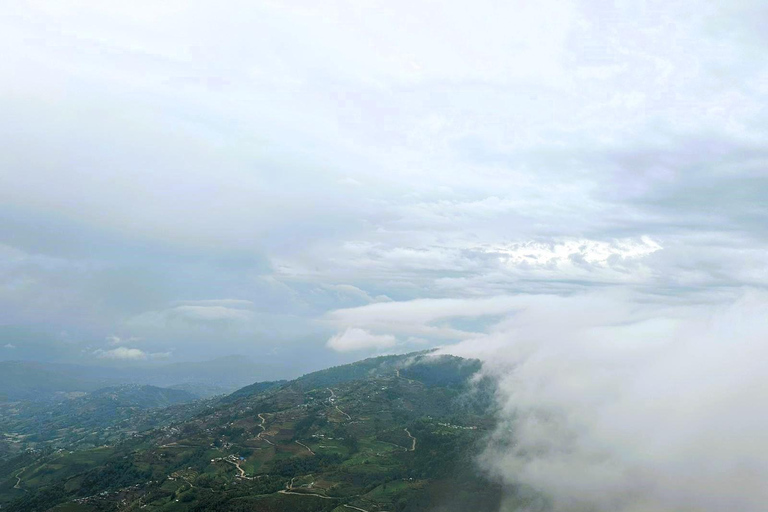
point(572, 191)
point(170, 170)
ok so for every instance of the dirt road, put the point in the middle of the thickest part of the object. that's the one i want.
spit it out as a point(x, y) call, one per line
point(332, 398)
point(308, 494)
point(342, 412)
point(355, 508)
point(305, 446)
point(413, 446)
point(18, 481)
point(263, 429)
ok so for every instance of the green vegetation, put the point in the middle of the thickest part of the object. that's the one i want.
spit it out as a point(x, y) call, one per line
point(397, 433)
point(254, 389)
point(86, 420)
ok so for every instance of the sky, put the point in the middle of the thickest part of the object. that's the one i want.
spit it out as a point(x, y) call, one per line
point(319, 182)
point(572, 191)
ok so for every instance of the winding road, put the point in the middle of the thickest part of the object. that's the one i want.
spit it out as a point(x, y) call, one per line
point(263, 429)
point(18, 481)
point(177, 445)
point(342, 412)
point(358, 508)
point(241, 470)
point(413, 446)
point(333, 397)
point(305, 446)
point(308, 494)
point(354, 508)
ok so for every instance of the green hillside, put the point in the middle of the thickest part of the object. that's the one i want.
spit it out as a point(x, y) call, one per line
point(398, 433)
point(77, 420)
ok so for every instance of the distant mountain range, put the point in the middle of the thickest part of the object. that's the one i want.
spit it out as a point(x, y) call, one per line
point(26, 380)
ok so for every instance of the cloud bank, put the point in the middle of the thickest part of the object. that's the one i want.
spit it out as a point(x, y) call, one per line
point(612, 405)
point(359, 339)
point(124, 354)
point(574, 191)
point(240, 178)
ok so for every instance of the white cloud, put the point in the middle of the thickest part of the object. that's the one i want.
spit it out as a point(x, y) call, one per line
point(360, 339)
point(355, 292)
point(122, 353)
point(612, 404)
point(197, 312)
point(9, 346)
point(422, 318)
point(129, 354)
point(422, 322)
point(565, 252)
point(210, 313)
point(113, 339)
point(224, 303)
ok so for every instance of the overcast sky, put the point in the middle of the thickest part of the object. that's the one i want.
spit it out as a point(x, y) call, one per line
point(188, 179)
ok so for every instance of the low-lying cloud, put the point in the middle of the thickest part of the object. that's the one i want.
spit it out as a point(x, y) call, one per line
point(359, 339)
point(421, 319)
point(114, 339)
point(195, 313)
point(610, 405)
point(129, 354)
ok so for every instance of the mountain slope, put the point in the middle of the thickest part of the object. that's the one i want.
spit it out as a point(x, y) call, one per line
point(88, 419)
point(397, 433)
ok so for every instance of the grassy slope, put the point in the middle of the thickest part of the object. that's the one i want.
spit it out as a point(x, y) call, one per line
point(352, 449)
